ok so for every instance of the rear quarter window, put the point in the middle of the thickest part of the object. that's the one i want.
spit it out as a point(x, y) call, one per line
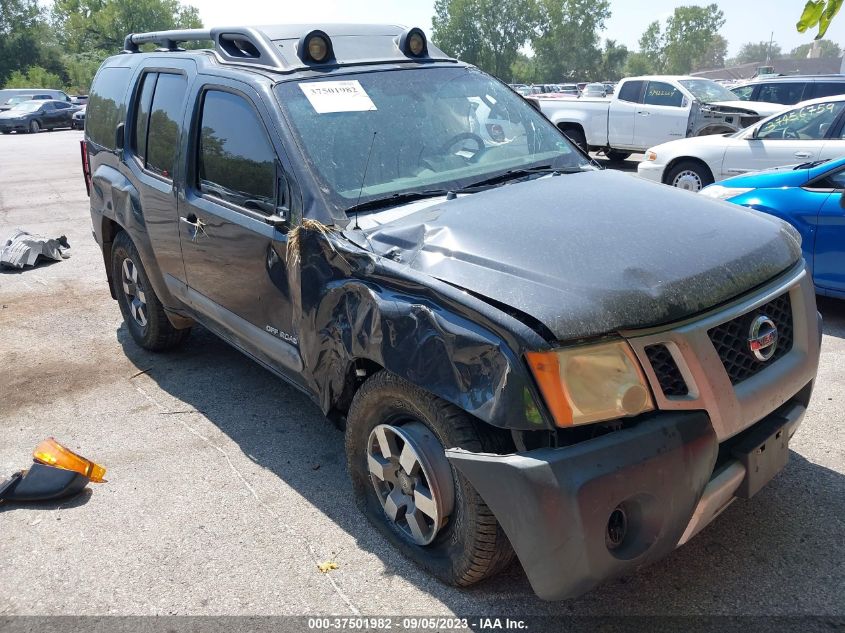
point(106, 106)
point(827, 89)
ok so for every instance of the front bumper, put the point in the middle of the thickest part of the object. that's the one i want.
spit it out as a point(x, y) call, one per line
point(14, 126)
point(668, 474)
point(651, 171)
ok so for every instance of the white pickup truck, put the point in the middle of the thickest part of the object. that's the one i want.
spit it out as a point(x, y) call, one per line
point(647, 111)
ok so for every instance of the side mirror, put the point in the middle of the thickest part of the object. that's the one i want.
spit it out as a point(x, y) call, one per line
point(119, 135)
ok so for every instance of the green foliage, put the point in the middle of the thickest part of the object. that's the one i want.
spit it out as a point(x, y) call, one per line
point(691, 38)
point(80, 69)
point(751, 52)
point(19, 36)
point(826, 49)
point(486, 33)
point(818, 13)
point(34, 77)
point(651, 49)
point(567, 43)
point(524, 70)
point(638, 64)
point(613, 59)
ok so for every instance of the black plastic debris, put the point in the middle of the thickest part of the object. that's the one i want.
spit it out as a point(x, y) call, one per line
point(24, 249)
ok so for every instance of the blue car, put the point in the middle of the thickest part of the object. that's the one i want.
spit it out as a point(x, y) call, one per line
point(808, 196)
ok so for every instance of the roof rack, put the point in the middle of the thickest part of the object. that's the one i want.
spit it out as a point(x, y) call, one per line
point(243, 45)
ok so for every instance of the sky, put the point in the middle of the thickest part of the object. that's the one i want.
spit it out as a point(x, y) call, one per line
point(745, 20)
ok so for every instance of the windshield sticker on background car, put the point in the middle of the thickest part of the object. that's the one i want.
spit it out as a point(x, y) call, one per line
point(337, 96)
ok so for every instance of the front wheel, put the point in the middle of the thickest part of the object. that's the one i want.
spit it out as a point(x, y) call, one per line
point(689, 175)
point(396, 434)
point(142, 311)
point(34, 127)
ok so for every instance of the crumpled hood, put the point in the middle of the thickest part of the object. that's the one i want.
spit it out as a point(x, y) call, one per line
point(594, 252)
point(763, 108)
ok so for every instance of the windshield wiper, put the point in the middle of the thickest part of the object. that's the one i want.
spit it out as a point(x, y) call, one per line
point(396, 199)
point(514, 174)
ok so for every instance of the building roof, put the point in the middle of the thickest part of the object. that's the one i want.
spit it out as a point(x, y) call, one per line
point(787, 66)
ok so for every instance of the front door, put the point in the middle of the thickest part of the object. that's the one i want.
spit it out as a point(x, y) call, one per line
point(794, 137)
point(829, 256)
point(235, 261)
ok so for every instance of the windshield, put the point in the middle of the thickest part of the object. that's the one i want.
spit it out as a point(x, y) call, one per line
point(26, 106)
point(426, 129)
point(707, 90)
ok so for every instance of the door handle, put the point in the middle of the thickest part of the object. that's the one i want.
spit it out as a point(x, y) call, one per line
point(802, 154)
point(196, 224)
point(643, 113)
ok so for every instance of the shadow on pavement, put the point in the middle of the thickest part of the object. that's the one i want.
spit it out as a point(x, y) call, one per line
point(779, 553)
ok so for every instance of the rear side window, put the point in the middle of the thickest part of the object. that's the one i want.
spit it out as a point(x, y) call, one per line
point(827, 89)
point(787, 93)
point(663, 94)
point(236, 161)
point(631, 91)
point(743, 93)
point(106, 109)
point(165, 117)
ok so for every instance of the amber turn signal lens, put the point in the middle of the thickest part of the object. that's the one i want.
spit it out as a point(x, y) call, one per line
point(51, 453)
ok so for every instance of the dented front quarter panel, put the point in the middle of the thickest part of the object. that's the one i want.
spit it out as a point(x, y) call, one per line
point(356, 306)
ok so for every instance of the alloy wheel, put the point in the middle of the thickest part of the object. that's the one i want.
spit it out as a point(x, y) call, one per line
point(133, 290)
point(412, 478)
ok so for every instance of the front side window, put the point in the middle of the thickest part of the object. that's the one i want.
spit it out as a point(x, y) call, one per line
point(165, 117)
point(806, 123)
point(429, 129)
point(236, 161)
point(631, 91)
point(787, 93)
point(663, 94)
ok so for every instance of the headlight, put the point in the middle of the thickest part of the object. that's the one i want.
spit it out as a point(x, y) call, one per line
point(724, 193)
point(591, 383)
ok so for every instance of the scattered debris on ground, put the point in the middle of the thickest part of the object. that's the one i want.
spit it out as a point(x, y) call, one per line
point(24, 249)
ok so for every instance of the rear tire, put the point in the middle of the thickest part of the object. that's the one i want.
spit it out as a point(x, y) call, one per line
point(461, 542)
point(142, 311)
point(616, 156)
point(689, 175)
point(34, 127)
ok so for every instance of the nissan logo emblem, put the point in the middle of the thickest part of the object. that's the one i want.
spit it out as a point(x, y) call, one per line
point(762, 338)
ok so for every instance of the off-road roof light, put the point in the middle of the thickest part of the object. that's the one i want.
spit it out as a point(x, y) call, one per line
point(315, 48)
point(413, 43)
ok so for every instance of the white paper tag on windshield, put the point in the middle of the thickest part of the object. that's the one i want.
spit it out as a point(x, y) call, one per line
point(337, 96)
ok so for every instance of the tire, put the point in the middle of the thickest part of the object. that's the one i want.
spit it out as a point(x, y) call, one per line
point(576, 135)
point(34, 127)
point(142, 311)
point(689, 175)
point(616, 155)
point(469, 545)
point(7, 131)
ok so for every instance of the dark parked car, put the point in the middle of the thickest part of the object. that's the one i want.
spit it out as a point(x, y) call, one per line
point(529, 355)
point(791, 89)
point(77, 122)
point(34, 116)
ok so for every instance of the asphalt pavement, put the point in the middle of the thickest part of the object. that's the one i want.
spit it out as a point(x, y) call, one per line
point(226, 488)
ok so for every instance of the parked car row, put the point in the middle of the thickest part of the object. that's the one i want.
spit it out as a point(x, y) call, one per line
point(789, 90)
point(35, 115)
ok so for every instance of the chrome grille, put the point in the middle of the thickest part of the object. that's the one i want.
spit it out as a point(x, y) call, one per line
point(731, 339)
point(671, 381)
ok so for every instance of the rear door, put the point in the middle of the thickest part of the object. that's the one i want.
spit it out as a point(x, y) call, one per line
point(796, 136)
point(64, 112)
point(785, 92)
point(234, 252)
point(622, 113)
point(663, 115)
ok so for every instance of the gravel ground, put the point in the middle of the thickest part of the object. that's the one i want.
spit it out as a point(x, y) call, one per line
point(226, 487)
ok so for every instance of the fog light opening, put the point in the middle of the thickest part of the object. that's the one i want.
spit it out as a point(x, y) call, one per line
point(617, 528)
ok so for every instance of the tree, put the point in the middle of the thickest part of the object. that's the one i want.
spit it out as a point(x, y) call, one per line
point(690, 37)
point(86, 25)
point(613, 60)
point(756, 52)
point(651, 49)
point(638, 64)
point(826, 49)
point(818, 12)
point(713, 55)
point(524, 70)
point(567, 41)
point(34, 77)
point(486, 33)
point(20, 22)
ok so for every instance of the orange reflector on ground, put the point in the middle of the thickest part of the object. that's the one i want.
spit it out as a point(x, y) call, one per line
point(52, 453)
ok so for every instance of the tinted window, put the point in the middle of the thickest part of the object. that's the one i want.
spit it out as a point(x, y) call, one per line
point(631, 91)
point(808, 122)
point(827, 89)
point(165, 116)
point(45, 107)
point(236, 160)
point(743, 92)
point(105, 107)
point(61, 105)
point(663, 94)
point(142, 116)
point(787, 93)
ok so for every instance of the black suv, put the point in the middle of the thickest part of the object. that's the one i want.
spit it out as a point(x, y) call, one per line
point(529, 355)
point(791, 89)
